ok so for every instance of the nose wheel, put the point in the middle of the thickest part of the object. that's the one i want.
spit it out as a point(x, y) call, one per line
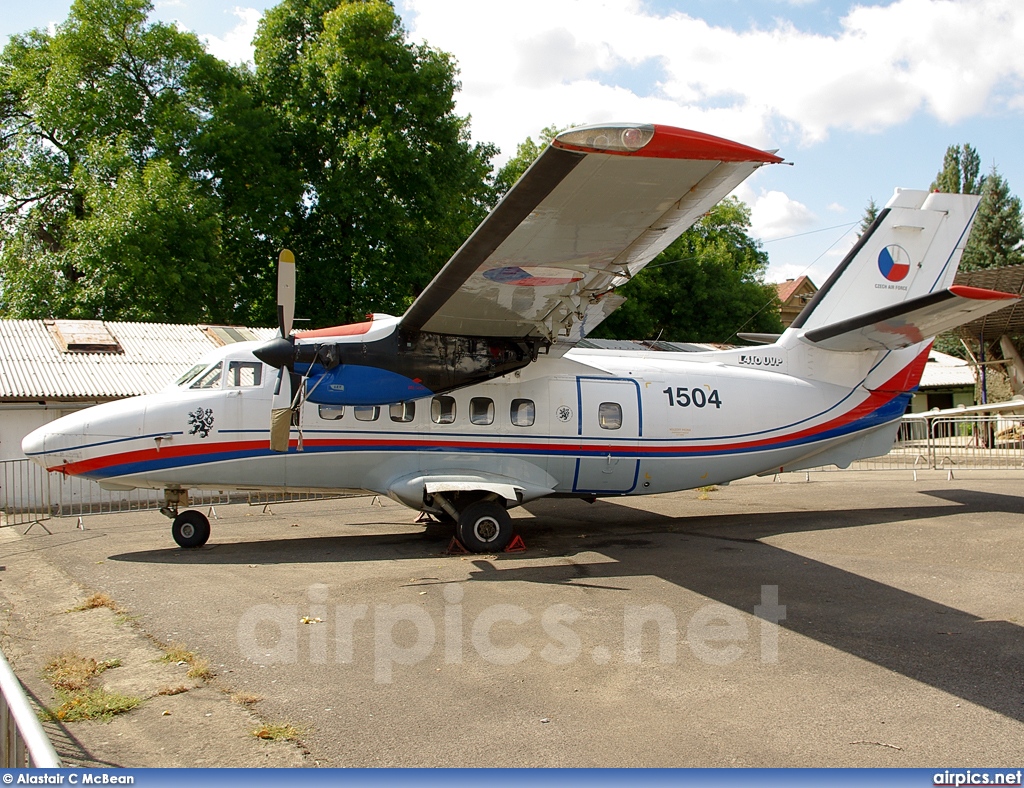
point(190, 528)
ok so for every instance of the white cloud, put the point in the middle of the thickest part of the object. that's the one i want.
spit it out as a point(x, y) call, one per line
point(236, 46)
point(537, 62)
point(774, 215)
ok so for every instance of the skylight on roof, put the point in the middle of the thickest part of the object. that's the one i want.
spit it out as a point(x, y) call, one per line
point(83, 336)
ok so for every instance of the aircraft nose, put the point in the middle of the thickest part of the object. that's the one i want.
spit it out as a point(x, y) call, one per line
point(53, 445)
point(33, 445)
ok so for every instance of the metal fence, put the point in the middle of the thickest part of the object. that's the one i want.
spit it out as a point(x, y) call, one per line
point(968, 442)
point(28, 494)
point(23, 742)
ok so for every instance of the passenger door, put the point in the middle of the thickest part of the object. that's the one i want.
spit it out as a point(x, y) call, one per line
point(610, 423)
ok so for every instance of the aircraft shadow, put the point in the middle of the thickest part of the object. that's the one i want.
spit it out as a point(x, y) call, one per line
point(959, 653)
point(946, 648)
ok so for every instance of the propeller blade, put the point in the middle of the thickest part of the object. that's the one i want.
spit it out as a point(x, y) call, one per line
point(285, 291)
point(280, 352)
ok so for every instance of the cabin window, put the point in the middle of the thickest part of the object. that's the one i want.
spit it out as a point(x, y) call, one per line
point(442, 410)
point(403, 412)
point(331, 412)
point(209, 379)
point(481, 410)
point(523, 413)
point(609, 415)
point(191, 375)
point(366, 412)
point(245, 374)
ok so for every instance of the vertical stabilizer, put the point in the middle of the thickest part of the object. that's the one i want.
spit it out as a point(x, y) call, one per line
point(911, 250)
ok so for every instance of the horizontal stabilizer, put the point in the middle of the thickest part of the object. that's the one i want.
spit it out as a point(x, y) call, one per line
point(759, 339)
point(910, 322)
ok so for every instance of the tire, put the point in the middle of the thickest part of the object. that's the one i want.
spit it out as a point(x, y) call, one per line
point(484, 527)
point(190, 529)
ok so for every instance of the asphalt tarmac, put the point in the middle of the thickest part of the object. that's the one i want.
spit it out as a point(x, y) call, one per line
point(858, 619)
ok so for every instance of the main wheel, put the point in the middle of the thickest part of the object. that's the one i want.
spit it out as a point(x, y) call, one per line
point(484, 527)
point(190, 529)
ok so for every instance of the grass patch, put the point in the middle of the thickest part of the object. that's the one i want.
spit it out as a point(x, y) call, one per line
point(173, 690)
point(177, 653)
point(71, 676)
point(198, 667)
point(92, 704)
point(95, 601)
point(71, 672)
point(281, 731)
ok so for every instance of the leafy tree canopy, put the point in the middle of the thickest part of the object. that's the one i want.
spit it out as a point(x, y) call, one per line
point(104, 211)
point(527, 152)
point(961, 167)
point(998, 232)
point(389, 182)
point(997, 236)
point(704, 287)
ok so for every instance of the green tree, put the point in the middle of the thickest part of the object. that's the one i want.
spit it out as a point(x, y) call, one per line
point(961, 167)
point(870, 214)
point(389, 184)
point(998, 233)
point(105, 209)
point(526, 153)
point(706, 286)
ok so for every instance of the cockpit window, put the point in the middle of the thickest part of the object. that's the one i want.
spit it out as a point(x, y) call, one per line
point(245, 374)
point(209, 379)
point(189, 376)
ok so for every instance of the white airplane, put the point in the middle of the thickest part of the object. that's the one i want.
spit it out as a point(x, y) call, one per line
point(476, 400)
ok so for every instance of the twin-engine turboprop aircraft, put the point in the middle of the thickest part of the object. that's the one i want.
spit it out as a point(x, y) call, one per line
point(476, 400)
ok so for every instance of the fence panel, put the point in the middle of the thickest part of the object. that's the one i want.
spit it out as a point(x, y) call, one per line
point(24, 493)
point(977, 442)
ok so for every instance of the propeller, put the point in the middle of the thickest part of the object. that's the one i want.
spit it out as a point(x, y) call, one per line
point(283, 353)
point(279, 352)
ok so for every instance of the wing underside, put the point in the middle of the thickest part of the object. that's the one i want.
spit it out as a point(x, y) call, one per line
point(596, 207)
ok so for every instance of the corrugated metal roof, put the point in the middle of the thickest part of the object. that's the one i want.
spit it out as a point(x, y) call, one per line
point(1008, 320)
point(33, 367)
point(943, 370)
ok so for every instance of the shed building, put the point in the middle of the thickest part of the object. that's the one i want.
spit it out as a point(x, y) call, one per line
point(49, 368)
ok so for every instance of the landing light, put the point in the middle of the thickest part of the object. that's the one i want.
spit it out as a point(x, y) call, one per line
point(621, 138)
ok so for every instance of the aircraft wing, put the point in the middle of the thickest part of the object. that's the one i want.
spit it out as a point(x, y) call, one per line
point(910, 322)
point(594, 208)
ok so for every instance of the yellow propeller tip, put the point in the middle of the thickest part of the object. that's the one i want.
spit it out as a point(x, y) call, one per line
point(286, 256)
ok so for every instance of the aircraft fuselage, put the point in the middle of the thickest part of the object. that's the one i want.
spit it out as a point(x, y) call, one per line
point(591, 423)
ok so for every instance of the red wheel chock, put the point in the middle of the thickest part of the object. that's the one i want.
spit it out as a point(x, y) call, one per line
point(517, 545)
point(455, 547)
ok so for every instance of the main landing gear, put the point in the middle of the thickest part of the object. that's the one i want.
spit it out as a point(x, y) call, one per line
point(482, 526)
point(189, 528)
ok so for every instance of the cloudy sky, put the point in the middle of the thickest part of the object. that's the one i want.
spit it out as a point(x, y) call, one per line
point(860, 97)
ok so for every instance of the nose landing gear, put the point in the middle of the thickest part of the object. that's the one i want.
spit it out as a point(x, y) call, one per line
point(190, 529)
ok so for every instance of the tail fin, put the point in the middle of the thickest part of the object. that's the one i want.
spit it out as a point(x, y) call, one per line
point(895, 287)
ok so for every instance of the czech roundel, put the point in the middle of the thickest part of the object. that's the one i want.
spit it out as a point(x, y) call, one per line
point(532, 276)
point(894, 263)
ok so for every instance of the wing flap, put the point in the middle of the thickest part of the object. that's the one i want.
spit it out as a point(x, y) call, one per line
point(583, 220)
point(911, 321)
